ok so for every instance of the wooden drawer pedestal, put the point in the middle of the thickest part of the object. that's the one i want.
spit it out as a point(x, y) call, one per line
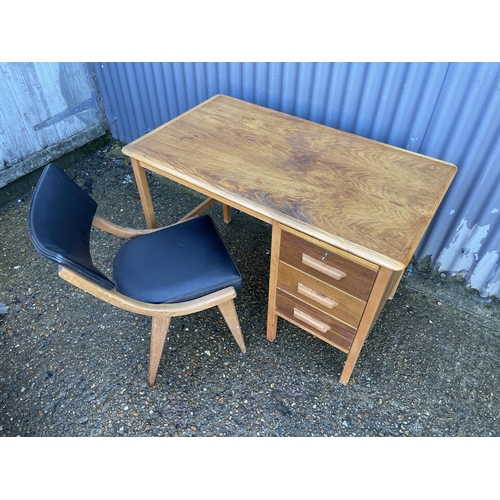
point(326, 291)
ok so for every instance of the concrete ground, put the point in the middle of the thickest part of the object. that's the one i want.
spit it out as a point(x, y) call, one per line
point(72, 365)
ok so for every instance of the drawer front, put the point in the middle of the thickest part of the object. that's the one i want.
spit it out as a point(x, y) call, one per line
point(320, 295)
point(336, 270)
point(314, 321)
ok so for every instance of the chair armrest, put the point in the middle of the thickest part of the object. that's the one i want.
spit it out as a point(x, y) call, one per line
point(122, 232)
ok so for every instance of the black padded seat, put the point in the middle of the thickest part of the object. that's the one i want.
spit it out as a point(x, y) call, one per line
point(179, 263)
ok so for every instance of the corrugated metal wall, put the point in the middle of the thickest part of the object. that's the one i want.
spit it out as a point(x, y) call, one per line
point(465, 129)
point(449, 111)
point(46, 110)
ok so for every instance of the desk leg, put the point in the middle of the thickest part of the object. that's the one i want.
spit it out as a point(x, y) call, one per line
point(226, 210)
point(378, 297)
point(272, 318)
point(397, 280)
point(143, 188)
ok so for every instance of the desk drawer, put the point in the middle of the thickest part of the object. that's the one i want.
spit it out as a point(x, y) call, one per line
point(327, 328)
point(344, 274)
point(320, 295)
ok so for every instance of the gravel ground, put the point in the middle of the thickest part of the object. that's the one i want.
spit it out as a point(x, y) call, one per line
point(72, 365)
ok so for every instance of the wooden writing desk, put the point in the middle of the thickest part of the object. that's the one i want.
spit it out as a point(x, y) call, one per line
point(347, 212)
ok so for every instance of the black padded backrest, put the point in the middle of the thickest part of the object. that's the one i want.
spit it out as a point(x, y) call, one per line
point(60, 221)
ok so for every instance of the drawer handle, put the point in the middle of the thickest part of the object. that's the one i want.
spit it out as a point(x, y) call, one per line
point(317, 296)
point(322, 267)
point(322, 327)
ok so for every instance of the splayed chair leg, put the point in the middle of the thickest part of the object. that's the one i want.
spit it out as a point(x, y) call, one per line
point(159, 332)
point(228, 311)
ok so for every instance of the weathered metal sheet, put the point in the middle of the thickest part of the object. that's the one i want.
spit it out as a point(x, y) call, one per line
point(464, 237)
point(46, 110)
point(445, 110)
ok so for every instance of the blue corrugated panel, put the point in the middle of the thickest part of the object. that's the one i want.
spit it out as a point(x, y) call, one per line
point(445, 110)
point(464, 237)
point(391, 102)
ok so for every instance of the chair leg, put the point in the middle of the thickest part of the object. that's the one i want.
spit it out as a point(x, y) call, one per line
point(228, 311)
point(159, 332)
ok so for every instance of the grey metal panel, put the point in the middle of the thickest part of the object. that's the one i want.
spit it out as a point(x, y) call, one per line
point(445, 110)
point(46, 110)
point(464, 237)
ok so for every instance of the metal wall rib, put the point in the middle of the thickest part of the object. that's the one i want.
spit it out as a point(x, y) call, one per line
point(449, 111)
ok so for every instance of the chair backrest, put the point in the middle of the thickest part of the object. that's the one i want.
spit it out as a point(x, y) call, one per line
point(60, 221)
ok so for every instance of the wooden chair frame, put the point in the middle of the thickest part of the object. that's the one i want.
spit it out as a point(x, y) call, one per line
point(161, 314)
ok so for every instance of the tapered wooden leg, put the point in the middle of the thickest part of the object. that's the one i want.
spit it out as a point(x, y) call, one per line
point(226, 210)
point(396, 280)
point(143, 188)
point(159, 332)
point(272, 318)
point(373, 307)
point(228, 311)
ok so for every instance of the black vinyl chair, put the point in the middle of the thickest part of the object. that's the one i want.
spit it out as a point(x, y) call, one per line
point(178, 270)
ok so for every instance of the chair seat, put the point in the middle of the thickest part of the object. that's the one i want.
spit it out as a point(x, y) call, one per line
point(179, 263)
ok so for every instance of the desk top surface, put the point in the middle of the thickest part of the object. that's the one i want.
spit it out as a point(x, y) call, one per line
point(366, 197)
